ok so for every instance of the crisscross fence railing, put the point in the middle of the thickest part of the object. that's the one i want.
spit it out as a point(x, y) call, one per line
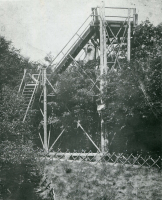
point(138, 160)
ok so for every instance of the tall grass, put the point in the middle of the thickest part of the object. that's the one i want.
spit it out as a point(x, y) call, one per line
point(64, 180)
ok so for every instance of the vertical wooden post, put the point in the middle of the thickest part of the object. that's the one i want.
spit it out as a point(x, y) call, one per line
point(103, 66)
point(104, 42)
point(134, 17)
point(96, 16)
point(93, 17)
point(129, 36)
point(45, 109)
point(105, 72)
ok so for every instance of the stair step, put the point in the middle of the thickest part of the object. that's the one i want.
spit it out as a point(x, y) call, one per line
point(29, 87)
point(28, 91)
point(31, 84)
point(27, 98)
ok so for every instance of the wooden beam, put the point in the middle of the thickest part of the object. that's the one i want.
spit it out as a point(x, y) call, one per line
point(56, 140)
point(45, 109)
point(88, 137)
point(102, 66)
point(129, 35)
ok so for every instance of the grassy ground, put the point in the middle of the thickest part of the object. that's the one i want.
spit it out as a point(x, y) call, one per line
point(64, 180)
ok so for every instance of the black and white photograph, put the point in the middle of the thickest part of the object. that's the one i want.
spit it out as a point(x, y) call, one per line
point(80, 100)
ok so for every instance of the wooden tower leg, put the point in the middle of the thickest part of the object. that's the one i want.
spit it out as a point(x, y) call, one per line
point(45, 110)
point(103, 69)
point(129, 36)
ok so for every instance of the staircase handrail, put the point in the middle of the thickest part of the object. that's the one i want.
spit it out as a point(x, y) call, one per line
point(64, 55)
point(92, 13)
point(22, 80)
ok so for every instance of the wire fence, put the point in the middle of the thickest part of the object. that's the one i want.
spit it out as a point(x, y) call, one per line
point(138, 160)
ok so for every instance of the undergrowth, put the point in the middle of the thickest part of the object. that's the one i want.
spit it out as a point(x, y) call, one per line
point(64, 180)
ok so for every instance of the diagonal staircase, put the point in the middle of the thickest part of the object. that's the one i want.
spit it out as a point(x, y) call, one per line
point(87, 31)
point(29, 95)
point(29, 90)
point(75, 49)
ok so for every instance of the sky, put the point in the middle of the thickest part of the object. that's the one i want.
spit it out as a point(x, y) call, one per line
point(38, 27)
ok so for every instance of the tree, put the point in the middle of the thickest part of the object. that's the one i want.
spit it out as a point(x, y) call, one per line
point(73, 102)
point(18, 157)
point(133, 95)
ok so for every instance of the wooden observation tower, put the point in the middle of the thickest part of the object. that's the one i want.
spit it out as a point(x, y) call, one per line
point(108, 33)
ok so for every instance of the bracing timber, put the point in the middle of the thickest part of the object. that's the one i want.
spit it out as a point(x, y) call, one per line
point(104, 32)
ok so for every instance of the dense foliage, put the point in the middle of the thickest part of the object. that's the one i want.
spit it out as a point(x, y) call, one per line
point(133, 95)
point(132, 118)
point(132, 113)
point(18, 157)
point(132, 98)
point(74, 101)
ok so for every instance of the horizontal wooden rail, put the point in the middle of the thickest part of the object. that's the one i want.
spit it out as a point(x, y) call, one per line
point(120, 8)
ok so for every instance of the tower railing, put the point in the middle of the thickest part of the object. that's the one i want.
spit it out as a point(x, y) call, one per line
point(74, 40)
